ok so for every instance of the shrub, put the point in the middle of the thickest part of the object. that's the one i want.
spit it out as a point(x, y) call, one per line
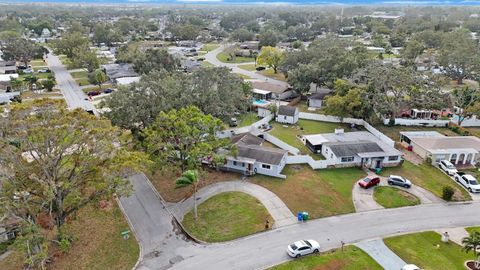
point(447, 193)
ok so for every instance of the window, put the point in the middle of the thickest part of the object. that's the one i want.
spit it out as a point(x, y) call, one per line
point(243, 164)
point(285, 117)
point(392, 158)
point(347, 159)
point(234, 163)
point(266, 166)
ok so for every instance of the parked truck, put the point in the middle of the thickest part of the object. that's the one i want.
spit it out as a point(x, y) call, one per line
point(468, 181)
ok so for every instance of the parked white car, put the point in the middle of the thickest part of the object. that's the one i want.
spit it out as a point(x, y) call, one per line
point(447, 167)
point(410, 267)
point(468, 181)
point(303, 247)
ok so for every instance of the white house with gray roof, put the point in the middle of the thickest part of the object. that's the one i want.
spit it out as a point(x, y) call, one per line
point(253, 158)
point(287, 114)
point(460, 150)
point(349, 149)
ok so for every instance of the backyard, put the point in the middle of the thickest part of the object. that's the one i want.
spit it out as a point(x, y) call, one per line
point(427, 251)
point(322, 193)
point(351, 258)
point(99, 245)
point(289, 133)
point(390, 197)
point(394, 131)
point(428, 177)
point(227, 216)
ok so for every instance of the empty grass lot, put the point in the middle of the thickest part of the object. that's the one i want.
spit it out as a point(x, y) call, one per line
point(390, 197)
point(227, 216)
point(429, 178)
point(351, 258)
point(421, 249)
point(223, 57)
point(289, 133)
point(99, 245)
point(322, 193)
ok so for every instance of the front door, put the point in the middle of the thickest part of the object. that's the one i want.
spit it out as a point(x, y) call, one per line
point(249, 167)
point(378, 163)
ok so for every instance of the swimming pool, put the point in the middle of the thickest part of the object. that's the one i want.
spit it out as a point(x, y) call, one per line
point(259, 102)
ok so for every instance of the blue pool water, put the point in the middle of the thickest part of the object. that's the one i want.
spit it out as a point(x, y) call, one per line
point(259, 102)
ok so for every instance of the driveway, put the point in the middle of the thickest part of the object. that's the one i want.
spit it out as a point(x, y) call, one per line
point(73, 94)
point(382, 254)
point(424, 195)
point(275, 206)
point(211, 57)
point(156, 231)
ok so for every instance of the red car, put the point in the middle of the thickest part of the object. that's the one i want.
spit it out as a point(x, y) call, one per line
point(369, 181)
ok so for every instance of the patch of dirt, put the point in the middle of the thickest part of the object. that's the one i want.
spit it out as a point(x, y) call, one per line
point(333, 264)
point(164, 182)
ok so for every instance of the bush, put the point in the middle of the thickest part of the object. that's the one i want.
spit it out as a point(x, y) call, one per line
point(447, 193)
point(391, 122)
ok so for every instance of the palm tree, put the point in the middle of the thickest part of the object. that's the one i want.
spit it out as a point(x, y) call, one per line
point(472, 243)
point(31, 80)
point(15, 83)
point(188, 178)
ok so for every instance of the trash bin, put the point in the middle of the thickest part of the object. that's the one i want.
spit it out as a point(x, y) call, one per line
point(378, 170)
point(305, 216)
point(300, 216)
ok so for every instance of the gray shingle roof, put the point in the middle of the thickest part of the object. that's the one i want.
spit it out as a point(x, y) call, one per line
point(348, 149)
point(287, 110)
point(247, 139)
point(266, 155)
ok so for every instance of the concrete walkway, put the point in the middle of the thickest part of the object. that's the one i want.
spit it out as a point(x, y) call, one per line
point(456, 234)
point(275, 206)
point(382, 254)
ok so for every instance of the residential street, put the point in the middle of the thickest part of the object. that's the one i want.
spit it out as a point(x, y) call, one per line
point(212, 58)
point(73, 94)
point(156, 231)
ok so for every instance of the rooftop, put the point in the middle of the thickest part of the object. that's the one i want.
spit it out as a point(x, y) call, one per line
point(266, 155)
point(287, 110)
point(348, 149)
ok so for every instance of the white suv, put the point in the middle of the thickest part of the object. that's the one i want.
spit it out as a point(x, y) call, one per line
point(469, 182)
point(447, 167)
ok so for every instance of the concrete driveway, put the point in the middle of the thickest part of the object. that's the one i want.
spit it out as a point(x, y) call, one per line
point(156, 231)
point(382, 254)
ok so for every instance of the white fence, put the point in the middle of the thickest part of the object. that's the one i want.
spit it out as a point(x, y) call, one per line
point(302, 159)
point(360, 122)
point(277, 142)
point(470, 122)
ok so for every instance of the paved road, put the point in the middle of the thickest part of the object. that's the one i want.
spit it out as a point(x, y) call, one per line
point(382, 254)
point(156, 231)
point(74, 96)
point(212, 58)
point(275, 206)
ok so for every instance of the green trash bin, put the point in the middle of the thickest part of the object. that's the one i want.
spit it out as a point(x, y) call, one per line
point(305, 216)
point(378, 170)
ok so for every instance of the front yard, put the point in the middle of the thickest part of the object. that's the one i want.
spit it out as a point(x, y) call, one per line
point(390, 197)
point(427, 251)
point(429, 178)
point(164, 182)
point(99, 245)
point(322, 193)
point(227, 216)
point(81, 77)
point(289, 133)
point(225, 58)
point(351, 258)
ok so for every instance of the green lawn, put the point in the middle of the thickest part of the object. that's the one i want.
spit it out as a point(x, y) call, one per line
point(98, 243)
point(471, 229)
point(209, 47)
point(289, 133)
point(249, 67)
point(65, 60)
point(38, 75)
point(247, 119)
point(227, 216)
point(95, 88)
point(351, 258)
point(223, 57)
point(321, 193)
point(390, 197)
point(79, 74)
point(427, 251)
point(429, 178)
point(82, 81)
point(277, 76)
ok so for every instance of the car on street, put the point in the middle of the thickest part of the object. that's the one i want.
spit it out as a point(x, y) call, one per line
point(468, 181)
point(44, 70)
point(303, 247)
point(396, 180)
point(410, 267)
point(369, 181)
point(447, 167)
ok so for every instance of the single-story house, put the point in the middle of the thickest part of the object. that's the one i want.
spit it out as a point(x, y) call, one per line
point(287, 114)
point(463, 150)
point(127, 80)
point(253, 158)
point(250, 45)
point(273, 90)
point(348, 149)
point(316, 99)
point(115, 71)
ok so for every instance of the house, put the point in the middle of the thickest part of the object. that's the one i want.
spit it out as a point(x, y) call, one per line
point(253, 158)
point(273, 90)
point(115, 71)
point(287, 114)
point(8, 67)
point(317, 98)
point(349, 149)
point(250, 45)
point(461, 150)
